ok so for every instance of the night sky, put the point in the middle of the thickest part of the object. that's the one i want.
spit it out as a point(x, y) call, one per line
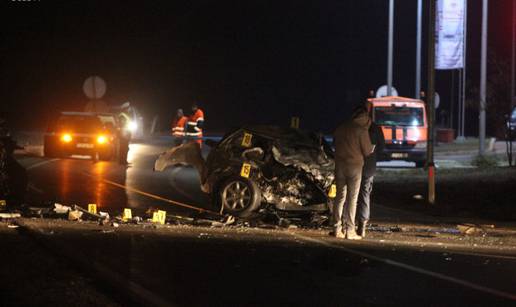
point(244, 61)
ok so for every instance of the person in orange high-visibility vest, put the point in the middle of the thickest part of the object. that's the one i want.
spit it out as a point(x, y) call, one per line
point(178, 127)
point(195, 124)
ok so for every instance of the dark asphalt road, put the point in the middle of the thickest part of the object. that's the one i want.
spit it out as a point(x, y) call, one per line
point(81, 181)
point(193, 266)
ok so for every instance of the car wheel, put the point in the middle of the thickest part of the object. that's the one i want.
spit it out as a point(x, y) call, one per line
point(240, 196)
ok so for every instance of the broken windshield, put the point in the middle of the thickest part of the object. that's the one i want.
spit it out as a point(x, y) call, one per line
point(398, 116)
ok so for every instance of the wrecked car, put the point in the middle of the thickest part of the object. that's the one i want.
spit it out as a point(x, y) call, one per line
point(253, 167)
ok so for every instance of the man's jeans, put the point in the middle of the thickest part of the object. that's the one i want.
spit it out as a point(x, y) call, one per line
point(364, 200)
point(348, 186)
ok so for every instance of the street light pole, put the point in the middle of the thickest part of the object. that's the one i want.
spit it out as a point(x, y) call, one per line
point(483, 67)
point(463, 97)
point(389, 47)
point(418, 48)
point(431, 103)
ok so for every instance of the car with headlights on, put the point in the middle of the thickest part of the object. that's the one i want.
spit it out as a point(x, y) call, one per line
point(82, 133)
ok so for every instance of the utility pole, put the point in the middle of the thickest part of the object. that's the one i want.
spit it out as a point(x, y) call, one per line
point(512, 55)
point(418, 48)
point(389, 47)
point(463, 98)
point(430, 107)
point(483, 66)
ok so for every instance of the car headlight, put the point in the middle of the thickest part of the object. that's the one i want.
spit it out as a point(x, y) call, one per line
point(67, 138)
point(420, 145)
point(101, 139)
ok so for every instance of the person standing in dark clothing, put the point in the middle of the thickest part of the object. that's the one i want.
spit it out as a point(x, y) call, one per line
point(366, 184)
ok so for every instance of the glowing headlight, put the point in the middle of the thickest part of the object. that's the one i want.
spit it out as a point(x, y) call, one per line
point(420, 145)
point(101, 139)
point(132, 126)
point(67, 138)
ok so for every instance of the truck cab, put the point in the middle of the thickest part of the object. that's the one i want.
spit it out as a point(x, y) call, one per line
point(404, 126)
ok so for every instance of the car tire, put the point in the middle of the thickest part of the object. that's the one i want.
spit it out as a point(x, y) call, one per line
point(239, 196)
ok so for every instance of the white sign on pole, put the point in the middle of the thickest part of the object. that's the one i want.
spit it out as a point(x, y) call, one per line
point(449, 34)
point(94, 87)
point(382, 91)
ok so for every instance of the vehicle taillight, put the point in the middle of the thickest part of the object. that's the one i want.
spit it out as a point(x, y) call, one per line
point(67, 138)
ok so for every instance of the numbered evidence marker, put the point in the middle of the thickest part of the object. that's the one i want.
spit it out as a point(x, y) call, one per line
point(333, 191)
point(92, 208)
point(128, 214)
point(246, 170)
point(159, 217)
point(246, 140)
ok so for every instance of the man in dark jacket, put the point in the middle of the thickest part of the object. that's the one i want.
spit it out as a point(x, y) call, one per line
point(352, 145)
point(366, 184)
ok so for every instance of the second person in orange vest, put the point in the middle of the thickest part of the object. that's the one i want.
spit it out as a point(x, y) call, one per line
point(178, 127)
point(195, 124)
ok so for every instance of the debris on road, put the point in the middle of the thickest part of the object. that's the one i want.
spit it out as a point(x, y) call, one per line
point(61, 209)
point(471, 229)
point(9, 215)
point(74, 215)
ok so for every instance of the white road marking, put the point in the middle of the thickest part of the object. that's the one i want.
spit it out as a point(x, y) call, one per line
point(411, 268)
point(34, 188)
point(40, 164)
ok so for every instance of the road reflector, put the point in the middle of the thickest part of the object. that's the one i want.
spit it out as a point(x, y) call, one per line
point(246, 140)
point(246, 170)
point(92, 208)
point(159, 217)
point(333, 191)
point(128, 214)
point(3, 204)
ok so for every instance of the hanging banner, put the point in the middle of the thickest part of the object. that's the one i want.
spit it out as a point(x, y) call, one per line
point(449, 34)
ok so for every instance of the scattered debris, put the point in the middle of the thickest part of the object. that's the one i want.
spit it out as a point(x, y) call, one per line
point(386, 229)
point(87, 213)
point(74, 215)
point(470, 229)
point(61, 209)
point(9, 215)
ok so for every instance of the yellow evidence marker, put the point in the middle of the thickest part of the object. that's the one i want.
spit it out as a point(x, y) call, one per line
point(127, 215)
point(246, 140)
point(159, 217)
point(92, 208)
point(333, 191)
point(246, 170)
